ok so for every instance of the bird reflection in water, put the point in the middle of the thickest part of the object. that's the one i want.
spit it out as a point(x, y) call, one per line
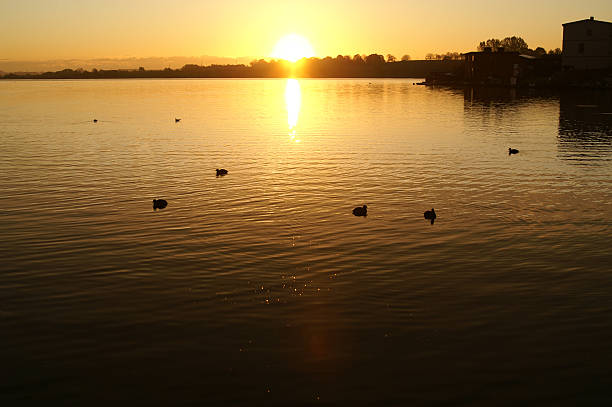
point(293, 101)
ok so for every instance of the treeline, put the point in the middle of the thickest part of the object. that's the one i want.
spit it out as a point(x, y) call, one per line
point(516, 44)
point(445, 56)
point(212, 71)
point(358, 66)
point(508, 44)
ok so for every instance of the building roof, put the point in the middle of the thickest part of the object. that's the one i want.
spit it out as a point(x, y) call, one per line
point(587, 20)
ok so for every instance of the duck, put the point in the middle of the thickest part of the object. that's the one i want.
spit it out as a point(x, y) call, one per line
point(95, 120)
point(159, 203)
point(221, 171)
point(176, 120)
point(361, 211)
point(512, 151)
point(430, 215)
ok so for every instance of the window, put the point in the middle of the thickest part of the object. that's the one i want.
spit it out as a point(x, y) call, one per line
point(581, 48)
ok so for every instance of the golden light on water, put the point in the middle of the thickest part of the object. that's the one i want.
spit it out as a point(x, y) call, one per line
point(292, 47)
point(293, 101)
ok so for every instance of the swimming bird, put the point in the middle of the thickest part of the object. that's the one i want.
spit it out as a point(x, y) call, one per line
point(512, 151)
point(95, 120)
point(159, 203)
point(176, 120)
point(221, 172)
point(430, 215)
point(361, 211)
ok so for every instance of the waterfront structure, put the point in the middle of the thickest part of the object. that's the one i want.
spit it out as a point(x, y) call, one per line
point(499, 68)
point(587, 45)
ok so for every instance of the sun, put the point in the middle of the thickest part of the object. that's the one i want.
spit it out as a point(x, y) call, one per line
point(292, 47)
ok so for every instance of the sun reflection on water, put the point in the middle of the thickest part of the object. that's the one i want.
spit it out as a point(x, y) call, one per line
point(293, 100)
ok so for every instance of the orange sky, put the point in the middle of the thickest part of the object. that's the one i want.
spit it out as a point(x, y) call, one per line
point(63, 29)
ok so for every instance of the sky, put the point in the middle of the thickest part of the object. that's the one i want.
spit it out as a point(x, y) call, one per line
point(87, 29)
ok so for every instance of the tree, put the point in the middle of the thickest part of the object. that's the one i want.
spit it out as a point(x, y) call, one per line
point(442, 57)
point(556, 51)
point(257, 62)
point(406, 57)
point(375, 59)
point(492, 43)
point(510, 44)
point(357, 58)
point(391, 58)
point(514, 44)
point(450, 55)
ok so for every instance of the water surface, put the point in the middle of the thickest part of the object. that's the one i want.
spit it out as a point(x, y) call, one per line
point(261, 287)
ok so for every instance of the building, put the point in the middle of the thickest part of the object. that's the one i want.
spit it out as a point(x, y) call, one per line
point(587, 45)
point(496, 68)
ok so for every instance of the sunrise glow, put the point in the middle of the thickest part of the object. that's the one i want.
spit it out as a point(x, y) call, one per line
point(293, 47)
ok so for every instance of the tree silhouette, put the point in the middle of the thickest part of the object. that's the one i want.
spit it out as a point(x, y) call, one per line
point(492, 43)
point(539, 51)
point(510, 44)
point(406, 57)
point(391, 58)
point(446, 56)
point(375, 59)
point(516, 44)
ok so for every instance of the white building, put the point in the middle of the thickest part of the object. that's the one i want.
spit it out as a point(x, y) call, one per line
point(587, 44)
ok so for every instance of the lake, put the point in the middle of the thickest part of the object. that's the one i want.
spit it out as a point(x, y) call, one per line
point(260, 287)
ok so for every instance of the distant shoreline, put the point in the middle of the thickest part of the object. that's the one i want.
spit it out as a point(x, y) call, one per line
point(420, 78)
point(445, 73)
point(320, 68)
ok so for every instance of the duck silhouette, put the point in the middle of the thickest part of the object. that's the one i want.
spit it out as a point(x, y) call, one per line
point(95, 120)
point(159, 203)
point(176, 120)
point(430, 215)
point(512, 151)
point(361, 211)
point(221, 172)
